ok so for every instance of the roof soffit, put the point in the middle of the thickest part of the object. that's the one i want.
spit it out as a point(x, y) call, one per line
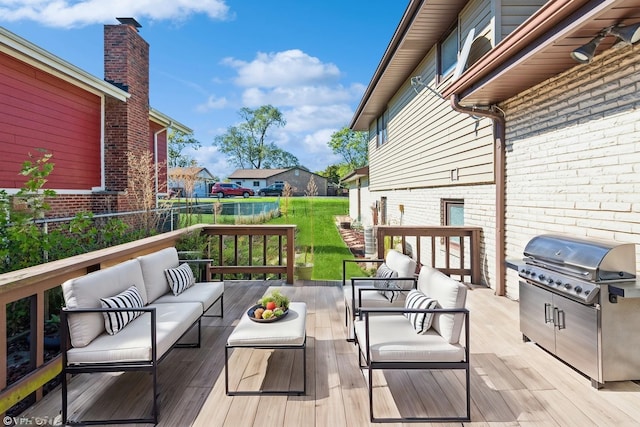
point(421, 27)
point(539, 49)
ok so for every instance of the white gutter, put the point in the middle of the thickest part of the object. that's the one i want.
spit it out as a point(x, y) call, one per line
point(155, 157)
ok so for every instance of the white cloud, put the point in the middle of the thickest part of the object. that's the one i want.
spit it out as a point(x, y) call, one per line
point(314, 117)
point(212, 103)
point(288, 68)
point(297, 95)
point(67, 14)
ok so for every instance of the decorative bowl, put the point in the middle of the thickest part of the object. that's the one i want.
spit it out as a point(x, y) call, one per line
point(252, 310)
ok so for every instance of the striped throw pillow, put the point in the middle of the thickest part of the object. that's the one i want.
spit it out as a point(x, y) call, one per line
point(386, 272)
point(114, 321)
point(180, 278)
point(421, 322)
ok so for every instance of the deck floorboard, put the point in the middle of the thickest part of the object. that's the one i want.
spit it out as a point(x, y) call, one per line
point(513, 383)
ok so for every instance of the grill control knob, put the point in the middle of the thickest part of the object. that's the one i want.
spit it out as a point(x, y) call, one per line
point(549, 280)
point(558, 282)
point(567, 286)
point(541, 277)
point(587, 292)
point(578, 289)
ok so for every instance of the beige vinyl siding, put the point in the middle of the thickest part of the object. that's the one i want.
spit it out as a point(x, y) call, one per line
point(478, 15)
point(427, 139)
point(514, 12)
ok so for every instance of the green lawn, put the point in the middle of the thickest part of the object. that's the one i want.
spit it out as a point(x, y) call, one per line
point(329, 250)
point(306, 213)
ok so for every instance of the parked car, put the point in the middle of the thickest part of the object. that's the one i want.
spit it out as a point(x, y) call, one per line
point(272, 190)
point(225, 189)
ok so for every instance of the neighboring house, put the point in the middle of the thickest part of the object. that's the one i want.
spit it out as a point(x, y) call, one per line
point(193, 181)
point(524, 141)
point(361, 201)
point(297, 177)
point(88, 124)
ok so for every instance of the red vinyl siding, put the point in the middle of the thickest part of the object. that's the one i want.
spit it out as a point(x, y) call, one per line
point(41, 111)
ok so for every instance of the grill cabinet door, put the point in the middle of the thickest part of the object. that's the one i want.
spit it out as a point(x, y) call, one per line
point(536, 315)
point(577, 335)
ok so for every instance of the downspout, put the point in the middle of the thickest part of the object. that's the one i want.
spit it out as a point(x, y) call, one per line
point(155, 157)
point(497, 116)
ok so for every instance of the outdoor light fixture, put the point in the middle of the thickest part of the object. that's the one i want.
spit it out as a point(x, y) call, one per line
point(585, 53)
point(629, 34)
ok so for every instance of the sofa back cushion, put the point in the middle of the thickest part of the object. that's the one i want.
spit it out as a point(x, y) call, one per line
point(153, 266)
point(86, 291)
point(404, 265)
point(449, 293)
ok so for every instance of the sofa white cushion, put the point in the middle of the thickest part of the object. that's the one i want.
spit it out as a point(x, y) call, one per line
point(180, 278)
point(114, 321)
point(449, 293)
point(153, 266)
point(393, 339)
point(205, 293)
point(421, 322)
point(133, 343)
point(86, 291)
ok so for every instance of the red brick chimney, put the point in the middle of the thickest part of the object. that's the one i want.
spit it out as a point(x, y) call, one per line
point(126, 65)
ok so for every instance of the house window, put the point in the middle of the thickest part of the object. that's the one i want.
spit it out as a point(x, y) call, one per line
point(381, 128)
point(448, 53)
point(452, 211)
point(256, 183)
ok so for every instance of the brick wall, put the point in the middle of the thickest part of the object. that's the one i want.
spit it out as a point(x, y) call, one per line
point(573, 155)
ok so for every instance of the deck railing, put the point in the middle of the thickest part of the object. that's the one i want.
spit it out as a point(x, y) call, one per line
point(33, 283)
point(453, 250)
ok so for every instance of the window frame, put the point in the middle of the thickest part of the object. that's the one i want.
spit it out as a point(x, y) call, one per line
point(446, 206)
point(382, 135)
point(442, 72)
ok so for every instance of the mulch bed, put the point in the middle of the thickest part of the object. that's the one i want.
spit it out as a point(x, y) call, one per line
point(354, 239)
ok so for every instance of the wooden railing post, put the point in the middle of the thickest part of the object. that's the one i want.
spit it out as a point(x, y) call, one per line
point(291, 253)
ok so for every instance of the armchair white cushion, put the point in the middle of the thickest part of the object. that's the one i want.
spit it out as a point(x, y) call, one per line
point(355, 295)
point(449, 293)
point(391, 341)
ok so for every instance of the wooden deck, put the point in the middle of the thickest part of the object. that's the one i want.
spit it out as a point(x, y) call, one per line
point(513, 383)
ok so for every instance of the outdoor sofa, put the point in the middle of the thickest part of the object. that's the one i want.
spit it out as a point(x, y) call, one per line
point(127, 317)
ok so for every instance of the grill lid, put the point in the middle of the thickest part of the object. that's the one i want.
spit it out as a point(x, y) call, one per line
point(592, 260)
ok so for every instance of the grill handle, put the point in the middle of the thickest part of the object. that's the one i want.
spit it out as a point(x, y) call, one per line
point(561, 320)
point(548, 316)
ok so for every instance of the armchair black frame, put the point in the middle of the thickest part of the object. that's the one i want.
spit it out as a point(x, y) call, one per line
point(364, 355)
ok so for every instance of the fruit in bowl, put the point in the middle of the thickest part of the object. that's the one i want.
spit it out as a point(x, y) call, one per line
point(271, 306)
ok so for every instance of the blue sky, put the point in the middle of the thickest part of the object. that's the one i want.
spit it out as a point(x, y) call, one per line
point(209, 58)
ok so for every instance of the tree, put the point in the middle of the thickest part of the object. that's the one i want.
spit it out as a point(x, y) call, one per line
point(247, 146)
point(334, 172)
point(178, 141)
point(351, 145)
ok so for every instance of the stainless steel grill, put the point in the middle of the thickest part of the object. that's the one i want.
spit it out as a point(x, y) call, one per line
point(570, 305)
point(576, 267)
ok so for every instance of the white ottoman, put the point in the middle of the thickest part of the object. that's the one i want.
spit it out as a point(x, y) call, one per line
point(287, 333)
